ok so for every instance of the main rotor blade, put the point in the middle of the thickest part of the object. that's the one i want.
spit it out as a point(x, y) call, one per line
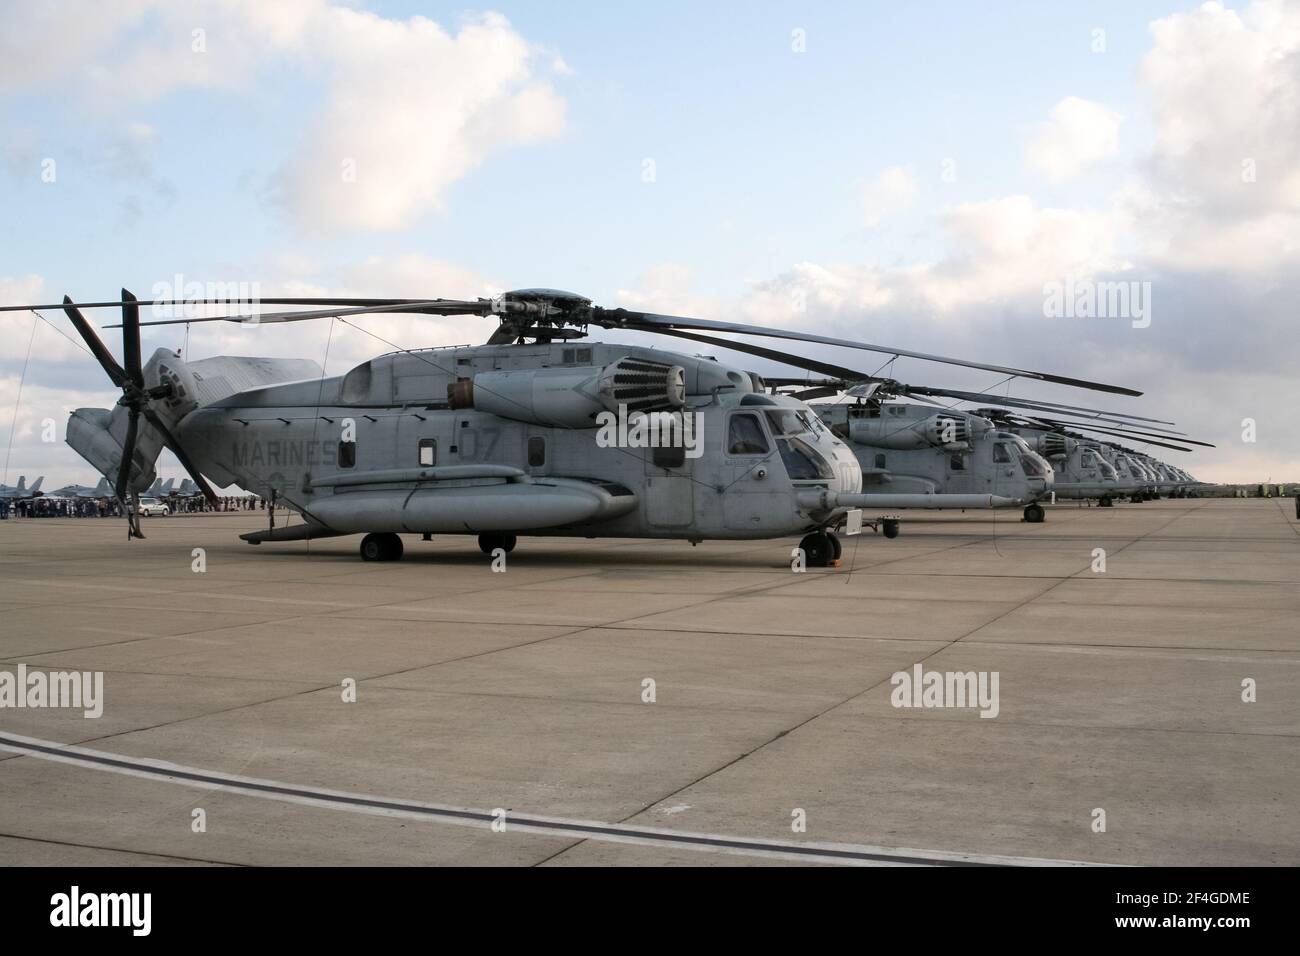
point(170, 441)
point(1114, 431)
point(996, 405)
point(1184, 440)
point(96, 344)
point(131, 338)
point(297, 300)
point(840, 372)
point(808, 394)
point(649, 321)
point(1031, 403)
point(1134, 430)
point(417, 306)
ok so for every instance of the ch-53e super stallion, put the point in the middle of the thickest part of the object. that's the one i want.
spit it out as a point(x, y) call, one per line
point(1092, 468)
point(956, 459)
point(537, 432)
point(985, 458)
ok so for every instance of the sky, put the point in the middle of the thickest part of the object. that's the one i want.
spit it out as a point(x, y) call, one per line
point(921, 175)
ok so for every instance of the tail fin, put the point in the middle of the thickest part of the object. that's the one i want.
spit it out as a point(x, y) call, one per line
point(22, 483)
point(36, 485)
point(97, 435)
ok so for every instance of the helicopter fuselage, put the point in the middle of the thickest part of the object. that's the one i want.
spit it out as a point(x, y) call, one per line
point(529, 439)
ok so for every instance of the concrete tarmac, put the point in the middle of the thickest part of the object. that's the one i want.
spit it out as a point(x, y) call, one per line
point(1120, 690)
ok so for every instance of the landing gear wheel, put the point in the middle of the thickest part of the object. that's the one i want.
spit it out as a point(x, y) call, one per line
point(1106, 502)
point(817, 549)
point(1035, 514)
point(837, 549)
point(487, 543)
point(384, 546)
point(889, 527)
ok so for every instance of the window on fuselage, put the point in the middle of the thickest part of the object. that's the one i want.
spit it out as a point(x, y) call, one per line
point(347, 454)
point(1001, 455)
point(745, 435)
point(536, 451)
point(428, 452)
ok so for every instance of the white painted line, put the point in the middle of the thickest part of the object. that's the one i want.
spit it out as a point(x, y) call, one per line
point(841, 853)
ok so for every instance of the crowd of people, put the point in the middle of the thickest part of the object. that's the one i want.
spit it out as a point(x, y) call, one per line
point(48, 507)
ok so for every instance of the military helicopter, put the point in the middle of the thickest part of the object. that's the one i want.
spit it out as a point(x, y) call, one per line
point(958, 459)
point(1094, 468)
point(534, 432)
point(1009, 458)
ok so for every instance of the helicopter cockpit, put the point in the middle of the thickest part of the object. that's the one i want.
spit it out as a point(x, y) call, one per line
point(808, 448)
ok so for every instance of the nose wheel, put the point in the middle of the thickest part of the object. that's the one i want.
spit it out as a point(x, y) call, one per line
point(1035, 514)
point(821, 549)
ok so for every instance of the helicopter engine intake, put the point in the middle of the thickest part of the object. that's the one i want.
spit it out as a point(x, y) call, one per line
point(572, 397)
point(951, 432)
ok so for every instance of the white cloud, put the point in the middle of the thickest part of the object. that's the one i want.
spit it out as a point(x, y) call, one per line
point(999, 251)
point(1077, 133)
point(1223, 190)
point(409, 108)
point(890, 193)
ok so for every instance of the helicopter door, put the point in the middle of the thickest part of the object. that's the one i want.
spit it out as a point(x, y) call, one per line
point(670, 484)
point(755, 492)
point(958, 469)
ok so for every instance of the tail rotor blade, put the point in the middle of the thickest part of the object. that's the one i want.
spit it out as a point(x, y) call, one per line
point(126, 500)
point(131, 338)
point(96, 344)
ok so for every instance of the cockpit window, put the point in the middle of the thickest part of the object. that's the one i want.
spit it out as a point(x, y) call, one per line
point(789, 421)
point(1031, 466)
point(745, 436)
point(1135, 471)
point(802, 461)
point(1107, 470)
point(1000, 454)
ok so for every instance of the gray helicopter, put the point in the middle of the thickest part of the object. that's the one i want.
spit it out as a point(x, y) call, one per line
point(1092, 468)
point(534, 432)
point(999, 452)
point(957, 459)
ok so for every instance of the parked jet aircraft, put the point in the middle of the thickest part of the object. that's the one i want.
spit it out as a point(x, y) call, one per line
point(20, 491)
